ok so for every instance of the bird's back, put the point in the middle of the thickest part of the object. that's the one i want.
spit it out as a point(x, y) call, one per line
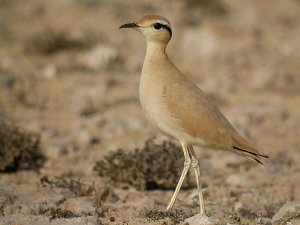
point(181, 109)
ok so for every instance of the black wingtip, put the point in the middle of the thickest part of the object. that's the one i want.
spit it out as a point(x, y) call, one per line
point(252, 153)
point(258, 161)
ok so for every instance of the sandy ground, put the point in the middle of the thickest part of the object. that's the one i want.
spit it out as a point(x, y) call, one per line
point(69, 74)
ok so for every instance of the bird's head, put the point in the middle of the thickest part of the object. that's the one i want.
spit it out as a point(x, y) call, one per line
point(153, 27)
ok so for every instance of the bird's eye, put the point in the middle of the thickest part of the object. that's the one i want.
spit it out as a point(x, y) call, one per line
point(157, 26)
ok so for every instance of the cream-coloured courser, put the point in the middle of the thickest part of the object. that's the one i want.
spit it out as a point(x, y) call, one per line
point(178, 107)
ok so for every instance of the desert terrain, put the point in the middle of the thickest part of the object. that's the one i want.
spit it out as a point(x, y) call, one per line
point(76, 147)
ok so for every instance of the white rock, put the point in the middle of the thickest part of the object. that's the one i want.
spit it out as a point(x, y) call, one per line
point(79, 205)
point(200, 219)
point(256, 113)
point(204, 43)
point(238, 206)
point(119, 124)
point(260, 78)
point(16, 219)
point(286, 213)
point(239, 180)
point(90, 220)
point(100, 56)
point(89, 99)
point(49, 71)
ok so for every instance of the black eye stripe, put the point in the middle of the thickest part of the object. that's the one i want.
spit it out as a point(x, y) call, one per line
point(167, 28)
point(159, 25)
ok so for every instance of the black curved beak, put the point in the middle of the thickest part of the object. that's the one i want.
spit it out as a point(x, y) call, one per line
point(129, 25)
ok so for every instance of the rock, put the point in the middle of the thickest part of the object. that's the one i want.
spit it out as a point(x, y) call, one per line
point(288, 212)
point(265, 221)
point(238, 206)
point(90, 99)
point(115, 124)
point(100, 56)
point(204, 42)
point(239, 180)
point(287, 83)
point(294, 222)
point(90, 220)
point(256, 113)
point(6, 190)
point(79, 206)
point(49, 71)
point(8, 198)
point(39, 202)
point(60, 147)
point(260, 79)
point(16, 219)
point(200, 219)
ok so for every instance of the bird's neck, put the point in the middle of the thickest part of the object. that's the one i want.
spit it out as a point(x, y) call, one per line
point(156, 52)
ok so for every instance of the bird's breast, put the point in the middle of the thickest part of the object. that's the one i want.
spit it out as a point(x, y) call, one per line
point(152, 101)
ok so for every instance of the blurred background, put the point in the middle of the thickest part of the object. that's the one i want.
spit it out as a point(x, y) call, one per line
point(70, 76)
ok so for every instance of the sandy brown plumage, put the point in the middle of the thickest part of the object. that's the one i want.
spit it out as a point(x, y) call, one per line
point(179, 108)
point(204, 121)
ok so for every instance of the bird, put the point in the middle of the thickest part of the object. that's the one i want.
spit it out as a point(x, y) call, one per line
point(179, 108)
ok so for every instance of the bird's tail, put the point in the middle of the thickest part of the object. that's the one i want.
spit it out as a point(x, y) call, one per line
point(242, 147)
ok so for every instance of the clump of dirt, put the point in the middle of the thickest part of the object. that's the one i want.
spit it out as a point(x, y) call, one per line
point(156, 166)
point(55, 213)
point(19, 149)
point(215, 7)
point(68, 181)
point(22, 91)
point(176, 216)
point(53, 41)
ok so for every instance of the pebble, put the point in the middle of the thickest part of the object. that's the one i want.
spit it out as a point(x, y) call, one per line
point(288, 212)
point(238, 206)
point(204, 42)
point(79, 206)
point(16, 219)
point(100, 56)
point(257, 113)
point(200, 219)
point(260, 79)
point(90, 99)
point(49, 71)
point(90, 220)
point(239, 180)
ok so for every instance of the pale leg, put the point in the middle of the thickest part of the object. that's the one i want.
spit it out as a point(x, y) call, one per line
point(195, 165)
point(187, 163)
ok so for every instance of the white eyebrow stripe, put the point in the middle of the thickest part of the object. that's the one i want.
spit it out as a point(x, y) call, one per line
point(164, 22)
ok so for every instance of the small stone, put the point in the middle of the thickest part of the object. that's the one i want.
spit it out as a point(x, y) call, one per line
point(238, 206)
point(100, 56)
point(287, 83)
point(50, 71)
point(16, 219)
point(286, 213)
point(260, 78)
point(89, 100)
point(265, 221)
point(204, 42)
point(246, 114)
point(200, 219)
point(74, 221)
point(79, 206)
point(60, 147)
point(239, 180)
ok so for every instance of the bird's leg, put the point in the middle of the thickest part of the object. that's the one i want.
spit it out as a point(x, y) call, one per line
point(187, 163)
point(195, 165)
